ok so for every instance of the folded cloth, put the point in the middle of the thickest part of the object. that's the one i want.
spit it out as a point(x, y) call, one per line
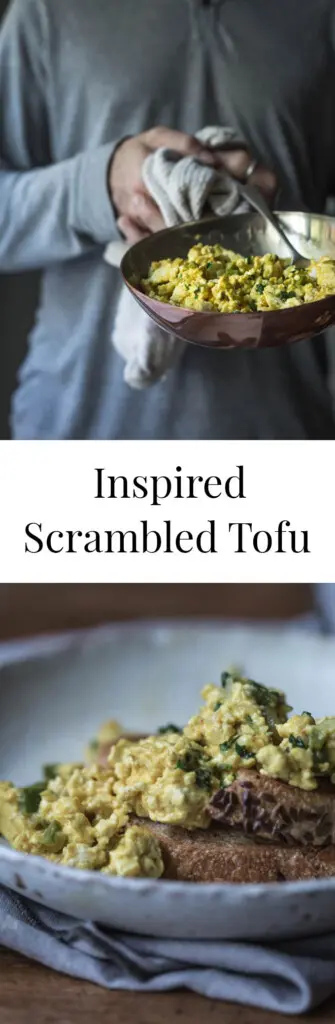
point(289, 977)
point(182, 188)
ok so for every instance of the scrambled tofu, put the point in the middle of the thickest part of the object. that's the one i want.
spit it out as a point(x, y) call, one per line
point(83, 815)
point(74, 819)
point(305, 753)
point(109, 733)
point(167, 778)
point(214, 278)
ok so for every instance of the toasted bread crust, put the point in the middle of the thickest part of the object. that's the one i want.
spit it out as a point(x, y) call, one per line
point(272, 810)
point(295, 840)
point(220, 855)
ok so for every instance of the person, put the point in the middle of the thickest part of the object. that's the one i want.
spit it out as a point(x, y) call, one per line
point(85, 86)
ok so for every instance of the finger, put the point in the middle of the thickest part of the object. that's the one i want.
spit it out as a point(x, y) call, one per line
point(180, 142)
point(131, 231)
point(144, 212)
point(265, 180)
point(237, 162)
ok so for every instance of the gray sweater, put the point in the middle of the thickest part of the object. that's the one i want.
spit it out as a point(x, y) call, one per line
point(75, 77)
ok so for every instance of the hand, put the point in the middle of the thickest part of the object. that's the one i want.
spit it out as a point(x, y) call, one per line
point(138, 214)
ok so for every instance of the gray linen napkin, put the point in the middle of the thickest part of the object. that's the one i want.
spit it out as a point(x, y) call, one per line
point(289, 977)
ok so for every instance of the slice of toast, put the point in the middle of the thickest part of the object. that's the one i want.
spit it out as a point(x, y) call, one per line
point(226, 855)
point(269, 809)
point(262, 830)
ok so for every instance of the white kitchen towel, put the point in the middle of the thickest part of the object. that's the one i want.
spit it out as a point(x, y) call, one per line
point(182, 188)
point(287, 977)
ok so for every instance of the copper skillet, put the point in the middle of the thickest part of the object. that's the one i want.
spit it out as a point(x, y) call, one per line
point(246, 233)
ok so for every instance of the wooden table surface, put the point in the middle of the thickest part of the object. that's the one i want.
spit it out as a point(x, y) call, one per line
point(32, 608)
point(29, 992)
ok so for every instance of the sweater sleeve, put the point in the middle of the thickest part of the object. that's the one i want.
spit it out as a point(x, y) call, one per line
point(49, 212)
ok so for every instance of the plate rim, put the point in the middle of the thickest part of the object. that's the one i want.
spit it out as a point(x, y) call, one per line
point(249, 889)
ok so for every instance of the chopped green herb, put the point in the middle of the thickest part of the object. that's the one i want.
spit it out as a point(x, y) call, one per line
point(243, 752)
point(227, 745)
point(94, 745)
point(203, 778)
point(30, 797)
point(224, 678)
point(296, 741)
point(263, 695)
point(286, 295)
point(260, 288)
point(217, 706)
point(190, 763)
point(210, 264)
point(51, 833)
point(252, 305)
point(259, 692)
point(50, 771)
point(248, 718)
point(168, 728)
point(307, 713)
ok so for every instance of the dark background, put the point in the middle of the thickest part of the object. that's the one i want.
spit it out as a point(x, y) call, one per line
point(18, 294)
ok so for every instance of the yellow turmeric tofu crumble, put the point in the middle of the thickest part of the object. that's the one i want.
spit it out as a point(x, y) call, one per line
point(84, 815)
point(214, 278)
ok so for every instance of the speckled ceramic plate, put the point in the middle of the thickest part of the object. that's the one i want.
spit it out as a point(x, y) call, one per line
point(51, 702)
